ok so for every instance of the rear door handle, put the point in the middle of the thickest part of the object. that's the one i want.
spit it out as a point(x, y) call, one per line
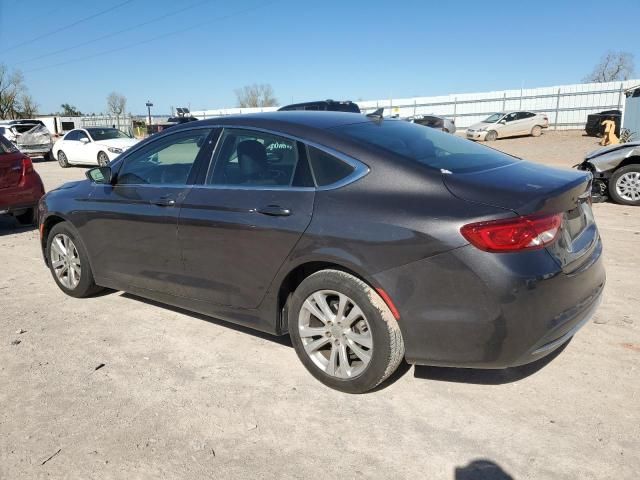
point(274, 211)
point(164, 202)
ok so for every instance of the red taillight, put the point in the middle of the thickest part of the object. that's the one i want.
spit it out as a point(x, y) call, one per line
point(27, 165)
point(514, 234)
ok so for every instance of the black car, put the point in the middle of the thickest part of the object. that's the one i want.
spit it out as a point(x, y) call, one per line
point(594, 126)
point(324, 106)
point(368, 240)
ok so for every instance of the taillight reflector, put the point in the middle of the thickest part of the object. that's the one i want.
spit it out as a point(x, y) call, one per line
point(27, 165)
point(514, 234)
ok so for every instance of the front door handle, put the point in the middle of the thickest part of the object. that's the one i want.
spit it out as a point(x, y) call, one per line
point(164, 202)
point(274, 211)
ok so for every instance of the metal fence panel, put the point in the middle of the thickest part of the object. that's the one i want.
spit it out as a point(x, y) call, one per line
point(566, 105)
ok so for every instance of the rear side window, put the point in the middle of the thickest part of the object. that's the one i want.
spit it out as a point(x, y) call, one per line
point(72, 135)
point(327, 169)
point(426, 145)
point(252, 158)
point(6, 146)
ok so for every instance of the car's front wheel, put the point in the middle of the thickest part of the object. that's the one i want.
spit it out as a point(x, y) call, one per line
point(624, 185)
point(69, 262)
point(491, 136)
point(343, 331)
point(103, 159)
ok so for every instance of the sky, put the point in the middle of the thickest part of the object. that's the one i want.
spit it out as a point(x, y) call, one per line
point(195, 53)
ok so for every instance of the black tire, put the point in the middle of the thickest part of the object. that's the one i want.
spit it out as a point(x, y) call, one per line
point(62, 159)
point(30, 217)
point(617, 177)
point(86, 287)
point(388, 346)
point(47, 157)
point(103, 159)
point(491, 136)
point(536, 131)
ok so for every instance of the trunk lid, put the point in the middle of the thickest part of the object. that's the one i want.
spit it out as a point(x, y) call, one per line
point(527, 188)
point(10, 169)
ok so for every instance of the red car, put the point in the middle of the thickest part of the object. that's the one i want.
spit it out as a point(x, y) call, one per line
point(20, 185)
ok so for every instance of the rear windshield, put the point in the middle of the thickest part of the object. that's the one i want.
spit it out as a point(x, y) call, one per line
point(425, 145)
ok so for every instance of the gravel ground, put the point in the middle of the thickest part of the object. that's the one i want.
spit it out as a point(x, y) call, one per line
point(179, 395)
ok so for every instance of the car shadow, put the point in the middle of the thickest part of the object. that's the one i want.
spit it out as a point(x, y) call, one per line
point(444, 374)
point(10, 226)
point(280, 340)
point(481, 469)
point(486, 376)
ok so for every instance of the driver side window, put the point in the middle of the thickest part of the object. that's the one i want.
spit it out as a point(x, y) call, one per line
point(166, 161)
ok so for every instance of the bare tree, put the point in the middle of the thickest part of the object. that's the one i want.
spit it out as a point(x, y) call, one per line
point(28, 106)
point(256, 95)
point(11, 87)
point(613, 66)
point(116, 103)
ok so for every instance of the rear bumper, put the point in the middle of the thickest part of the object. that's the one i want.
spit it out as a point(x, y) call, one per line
point(22, 196)
point(473, 309)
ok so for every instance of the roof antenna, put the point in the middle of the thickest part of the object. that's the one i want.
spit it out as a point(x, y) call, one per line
point(376, 114)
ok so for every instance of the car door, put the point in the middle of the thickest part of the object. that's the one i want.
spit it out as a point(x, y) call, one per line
point(131, 231)
point(525, 122)
point(237, 228)
point(510, 126)
point(71, 146)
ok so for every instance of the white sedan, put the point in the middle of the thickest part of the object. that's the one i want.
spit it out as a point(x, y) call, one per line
point(91, 146)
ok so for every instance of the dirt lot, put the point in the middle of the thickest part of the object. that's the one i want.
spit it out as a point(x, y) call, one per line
point(183, 396)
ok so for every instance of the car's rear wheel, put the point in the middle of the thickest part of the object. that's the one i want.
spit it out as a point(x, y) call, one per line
point(624, 185)
point(62, 159)
point(69, 262)
point(536, 131)
point(27, 218)
point(103, 159)
point(491, 136)
point(343, 332)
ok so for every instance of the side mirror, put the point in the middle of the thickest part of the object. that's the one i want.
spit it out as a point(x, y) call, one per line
point(503, 122)
point(102, 175)
point(84, 140)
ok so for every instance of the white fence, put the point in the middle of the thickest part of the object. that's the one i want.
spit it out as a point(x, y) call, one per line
point(566, 105)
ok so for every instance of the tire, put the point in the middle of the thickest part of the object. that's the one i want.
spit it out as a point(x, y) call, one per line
point(28, 218)
point(373, 325)
point(624, 185)
point(103, 159)
point(62, 159)
point(536, 131)
point(85, 285)
point(491, 136)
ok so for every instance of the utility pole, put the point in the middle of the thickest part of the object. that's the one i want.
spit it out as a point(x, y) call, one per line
point(149, 105)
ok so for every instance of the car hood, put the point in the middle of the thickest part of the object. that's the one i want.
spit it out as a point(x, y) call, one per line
point(611, 148)
point(123, 143)
point(479, 125)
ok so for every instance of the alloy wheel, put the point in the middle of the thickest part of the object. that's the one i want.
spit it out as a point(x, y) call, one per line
point(335, 334)
point(628, 186)
point(103, 160)
point(65, 261)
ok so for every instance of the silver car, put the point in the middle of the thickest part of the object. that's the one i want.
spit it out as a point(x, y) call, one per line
point(435, 121)
point(508, 124)
point(616, 173)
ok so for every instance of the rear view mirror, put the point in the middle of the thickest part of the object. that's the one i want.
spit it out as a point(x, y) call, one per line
point(503, 122)
point(100, 175)
point(84, 140)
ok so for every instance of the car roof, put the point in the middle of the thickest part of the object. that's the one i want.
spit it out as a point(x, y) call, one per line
point(314, 119)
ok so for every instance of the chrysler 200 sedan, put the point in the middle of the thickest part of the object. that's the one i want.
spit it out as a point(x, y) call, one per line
point(367, 240)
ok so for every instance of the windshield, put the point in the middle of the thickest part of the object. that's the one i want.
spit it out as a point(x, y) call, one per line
point(427, 146)
point(106, 133)
point(493, 118)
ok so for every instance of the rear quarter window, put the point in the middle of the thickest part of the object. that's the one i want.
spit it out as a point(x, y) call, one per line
point(426, 146)
point(327, 169)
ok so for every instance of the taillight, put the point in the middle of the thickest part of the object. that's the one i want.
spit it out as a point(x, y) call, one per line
point(514, 234)
point(27, 165)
